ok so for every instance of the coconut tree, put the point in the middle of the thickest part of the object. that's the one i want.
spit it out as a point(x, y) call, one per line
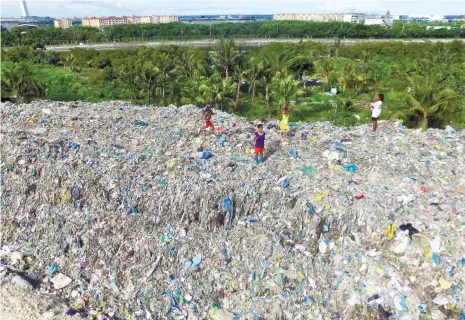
point(254, 73)
point(148, 74)
point(192, 64)
point(278, 60)
point(128, 76)
point(347, 76)
point(326, 69)
point(226, 56)
point(239, 76)
point(218, 92)
point(429, 100)
point(287, 89)
point(191, 92)
point(165, 69)
point(22, 84)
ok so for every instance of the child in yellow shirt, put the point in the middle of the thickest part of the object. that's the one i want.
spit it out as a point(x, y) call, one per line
point(284, 123)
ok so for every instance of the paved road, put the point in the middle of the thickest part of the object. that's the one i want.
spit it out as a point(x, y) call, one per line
point(212, 43)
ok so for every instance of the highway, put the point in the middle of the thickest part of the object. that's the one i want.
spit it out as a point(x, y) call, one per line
point(212, 43)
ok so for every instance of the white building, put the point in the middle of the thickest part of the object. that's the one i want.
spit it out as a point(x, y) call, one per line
point(63, 23)
point(325, 17)
point(379, 21)
point(352, 18)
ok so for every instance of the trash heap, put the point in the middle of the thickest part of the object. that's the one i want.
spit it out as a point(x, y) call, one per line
point(129, 212)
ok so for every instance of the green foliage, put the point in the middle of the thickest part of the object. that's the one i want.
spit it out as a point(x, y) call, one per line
point(267, 29)
point(19, 81)
point(423, 82)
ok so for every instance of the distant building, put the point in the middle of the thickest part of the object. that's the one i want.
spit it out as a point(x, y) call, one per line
point(63, 23)
point(437, 19)
point(103, 22)
point(159, 19)
point(353, 17)
point(9, 23)
point(385, 22)
point(30, 22)
point(326, 17)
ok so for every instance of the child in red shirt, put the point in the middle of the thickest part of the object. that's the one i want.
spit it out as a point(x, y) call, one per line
point(207, 114)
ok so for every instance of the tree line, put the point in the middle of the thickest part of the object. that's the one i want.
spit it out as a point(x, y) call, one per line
point(267, 29)
point(426, 81)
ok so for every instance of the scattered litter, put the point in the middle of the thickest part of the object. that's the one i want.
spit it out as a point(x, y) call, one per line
point(120, 211)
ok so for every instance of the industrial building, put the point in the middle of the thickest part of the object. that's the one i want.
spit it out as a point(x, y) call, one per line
point(336, 17)
point(325, 17)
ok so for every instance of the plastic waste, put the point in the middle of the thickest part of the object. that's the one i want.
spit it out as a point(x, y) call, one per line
point(136, 219)
point(206, 155)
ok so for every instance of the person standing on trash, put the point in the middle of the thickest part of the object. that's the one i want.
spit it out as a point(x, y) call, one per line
point(284, 123)
point(207, 114)
point(259, 142)
point(376, 112)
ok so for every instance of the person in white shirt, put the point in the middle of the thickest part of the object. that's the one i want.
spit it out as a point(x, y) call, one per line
point(376, 111)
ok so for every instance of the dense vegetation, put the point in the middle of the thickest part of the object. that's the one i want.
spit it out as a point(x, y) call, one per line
point(264, 29)
point(424, 83)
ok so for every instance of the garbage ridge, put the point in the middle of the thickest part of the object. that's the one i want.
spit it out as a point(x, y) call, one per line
point(138, 212)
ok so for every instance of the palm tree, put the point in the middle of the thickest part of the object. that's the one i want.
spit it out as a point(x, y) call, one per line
point(278, 60)
point(267, 78)
point(254, 73)
point(239, 75)
point(22, 84)
point(218, 92)
point(287, 89)
point(191, 64)
point(347, 76)
point(362, 82)
point(148, 74)
point(326, 69)
point(128, 76)
point(165, 70)
point(226, 55)
point(378, 84)
point(428, 99)
point(70, 63)
point(191, 92)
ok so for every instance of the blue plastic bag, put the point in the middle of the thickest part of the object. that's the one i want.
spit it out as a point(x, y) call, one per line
point(351, 167)
point(294, 153)
point(206, 155)
point(228, 205)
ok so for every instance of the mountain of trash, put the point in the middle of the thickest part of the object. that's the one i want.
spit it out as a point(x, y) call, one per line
point(130, 212)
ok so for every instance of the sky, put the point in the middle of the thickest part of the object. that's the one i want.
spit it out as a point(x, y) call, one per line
point(82, 8)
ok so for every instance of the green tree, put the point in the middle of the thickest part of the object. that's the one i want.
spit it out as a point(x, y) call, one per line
point(429, 101)
point(326, 69)
point(21, 83)
point(192, 64)
point(239, 76)
point(148, 75)
point(226, 56)
point(287, 89)
point(254, 73)
point(69, 62)
point(165, 69)
point(346, 77)
point(219, 92)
